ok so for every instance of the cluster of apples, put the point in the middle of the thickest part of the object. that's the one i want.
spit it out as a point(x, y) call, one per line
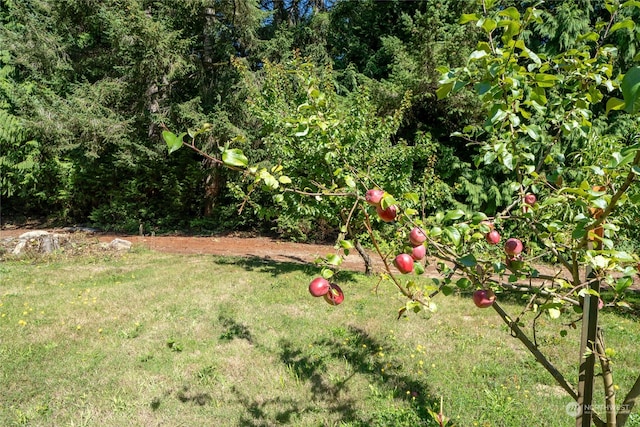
point(373, 197)
point(406, 263)
point(513, 247)
point(321, 287)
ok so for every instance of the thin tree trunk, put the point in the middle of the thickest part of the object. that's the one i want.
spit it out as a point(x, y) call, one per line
point(368, 266)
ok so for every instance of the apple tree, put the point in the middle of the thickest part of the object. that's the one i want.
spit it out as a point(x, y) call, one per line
point(543, 112)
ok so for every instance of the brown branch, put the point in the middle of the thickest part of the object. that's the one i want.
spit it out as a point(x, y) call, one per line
point(629, 402)
point(607, 379)
point(404, 292)
point(541, 358)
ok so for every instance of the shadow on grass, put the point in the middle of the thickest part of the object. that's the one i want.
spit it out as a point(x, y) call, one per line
point(313, 365)
point(233, 329)
point(276, 268)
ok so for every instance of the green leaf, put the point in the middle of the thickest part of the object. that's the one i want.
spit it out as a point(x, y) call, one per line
point(533, 131)
point(614, 104)
point(351, 183)
point(174, 142)
point(630, 87)
point(346, 244)
point(627, 23)
point(510, 12)
point(334, 259)
point(414, 197)
point(444, 90)
point(387, 200)
point(477, 54)
point(463, 283)
point(453, 235)
point(469, 17)
point(302, 132)
point(234, 157)
point(284, 179)
point(578, 232)
point(623, 283)
point(635, 169)
point(468, 260)
point(546, 80)
point(327, 273)
point(478, 217)
point(507, 161)
point(554, 313)
point(591, 36)
point(600, 203)
point(488, 25)
point(453, 215)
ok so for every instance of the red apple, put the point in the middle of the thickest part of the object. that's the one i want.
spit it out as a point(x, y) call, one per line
point(319, 286)
point(404, 263)
point(387, 215)
point(417, 236)
point(513, 246)
point(418, 252)
point(530, 199)
point(374, 196)
point(493, 237)
point(335, 296)
point(483, 298)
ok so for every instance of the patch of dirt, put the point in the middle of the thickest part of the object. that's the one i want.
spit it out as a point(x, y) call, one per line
point(238, 245)
point(226, 245)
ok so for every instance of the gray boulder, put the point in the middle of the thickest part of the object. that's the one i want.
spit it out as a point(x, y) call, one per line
point(39, 241)
point(120, 245)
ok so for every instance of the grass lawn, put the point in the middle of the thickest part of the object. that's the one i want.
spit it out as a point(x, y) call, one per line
point(150, 339)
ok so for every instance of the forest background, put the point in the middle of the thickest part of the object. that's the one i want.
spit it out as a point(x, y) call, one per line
point(87, 87)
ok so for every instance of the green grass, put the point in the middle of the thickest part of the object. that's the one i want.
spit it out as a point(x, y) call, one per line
point(155, 339)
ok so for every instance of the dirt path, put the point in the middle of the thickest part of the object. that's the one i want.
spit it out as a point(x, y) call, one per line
point(240, 245)
point(230, 245)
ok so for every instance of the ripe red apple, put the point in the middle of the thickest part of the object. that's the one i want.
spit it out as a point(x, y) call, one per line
point(417, 236)
point(319, 286)
point(404, 263)
point(335, 296)
point(483, 298)
point(418, 252)
point(387, 215)
point(513, 246)
point(530, 199)
point(374, 196)
point(493, 237)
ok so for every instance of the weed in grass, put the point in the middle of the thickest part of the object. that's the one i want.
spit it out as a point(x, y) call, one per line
point(175, 345)
point(132, 332)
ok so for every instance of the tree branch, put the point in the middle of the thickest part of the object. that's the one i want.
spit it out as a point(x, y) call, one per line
point(541, 358)
point(629, 402)
point(607, 379)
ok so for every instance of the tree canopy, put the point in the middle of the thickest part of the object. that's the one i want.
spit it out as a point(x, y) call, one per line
point(87, 88)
